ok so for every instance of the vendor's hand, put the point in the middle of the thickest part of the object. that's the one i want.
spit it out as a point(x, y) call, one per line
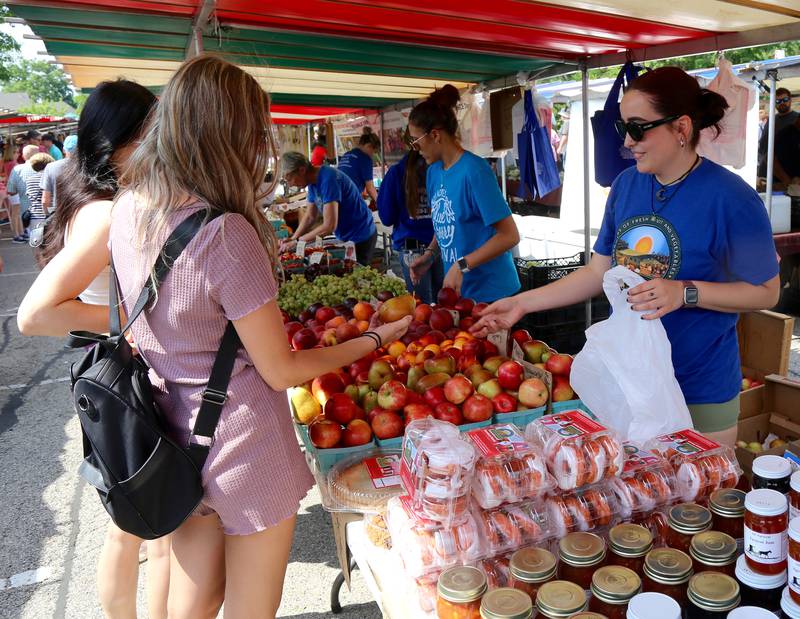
point(392, 331)
point(419, 266)
point(453, 278)
point(502, 314)
point(662, 295)
point(287, 245)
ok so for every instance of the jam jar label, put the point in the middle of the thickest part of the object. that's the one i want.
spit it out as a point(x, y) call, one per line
point(384, 471)
point(497, 440)
point(794, 575)
point(571, 423)
point(765, 548)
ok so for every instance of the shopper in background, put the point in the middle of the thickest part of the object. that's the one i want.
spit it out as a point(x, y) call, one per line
point(49, 143)
point(696, 232)
point(18, 194)
point(471, 220)
point(403, 205)
point(784, 117)
point(319, 153)
point(33, 187)
point(71, 294)
point(358, 162)
point(53, 172)
point(787, 154)
point(335, 197)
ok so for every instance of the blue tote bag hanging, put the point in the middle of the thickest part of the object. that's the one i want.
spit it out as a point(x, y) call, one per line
point(610, 155)
point(537, 165)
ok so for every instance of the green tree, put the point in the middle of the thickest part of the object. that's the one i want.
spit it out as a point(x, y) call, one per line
point(46, 108)
point(41, 80)
point(9, 48)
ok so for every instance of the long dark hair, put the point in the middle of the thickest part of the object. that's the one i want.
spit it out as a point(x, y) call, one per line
point(411, 182)
point(437, 111)
point(673, 92)
point(369, 138)
point(113, 116)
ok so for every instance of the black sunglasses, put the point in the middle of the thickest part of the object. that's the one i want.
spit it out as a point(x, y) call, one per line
point(783, 99)
point(637, 130)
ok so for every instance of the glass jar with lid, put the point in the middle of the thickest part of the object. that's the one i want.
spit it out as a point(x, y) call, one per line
point(772, 472)
point(559, 599)
point(587, 615)
point(762, 590)
point(628, 544)
point(506, 603)
point(685, 521)
point(667, 571)
point(653, 605)
point(612, 588)
point(711, 595)
point(750, 612)
point(794, 495)
point(580, 555)
point(713, 551)
point(794, 559)
point(789, 608)
point(727, 514)
point(530, 568)
point(459, 592)
point(765, 525)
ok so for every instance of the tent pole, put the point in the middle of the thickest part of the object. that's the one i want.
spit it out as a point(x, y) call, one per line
point(772, 74)
point(587, 239)
point(383, 158)
point(503, 176)
point(308, 131)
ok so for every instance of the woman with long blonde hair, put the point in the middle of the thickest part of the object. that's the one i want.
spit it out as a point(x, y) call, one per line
point(208, 148)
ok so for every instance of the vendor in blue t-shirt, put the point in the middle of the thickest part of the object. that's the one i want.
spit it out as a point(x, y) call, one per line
point(333, 195)
point(357, 163)
point(474, 230)
point(696, 232)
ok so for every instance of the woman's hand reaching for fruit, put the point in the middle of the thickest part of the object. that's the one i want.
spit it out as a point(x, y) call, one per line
point(502, 314)
point(390, 331)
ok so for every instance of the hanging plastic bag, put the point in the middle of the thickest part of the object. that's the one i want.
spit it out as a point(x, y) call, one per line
point(624, 373)
point(538, 172)
point(610, 155)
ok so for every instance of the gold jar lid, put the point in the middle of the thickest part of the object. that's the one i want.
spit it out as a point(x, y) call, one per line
point(533, 565)
point(668, 566)
point(689, 518)
point(461, 584)
point(714, 592)
point(560, 598)
point(588, 615)
point(581, 549)
point(713, 548)
point(630, 540)
point(727, 502)
point(506, 603)
point(615, 585)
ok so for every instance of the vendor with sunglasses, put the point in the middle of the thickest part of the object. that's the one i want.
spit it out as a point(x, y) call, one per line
point(784, 117)
point(696, 232)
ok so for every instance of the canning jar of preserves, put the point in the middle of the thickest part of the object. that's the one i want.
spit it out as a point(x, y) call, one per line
point(652, 605)
point(794, 495)
point(580, 554)
point(559, 599)
point(685, 521)
point(772, 473)
point(628, 544)
point(612, 588)
point(765, 524)
point(713, 551)
point(530, 568)
point(711, 596)
point(727, 514)
point(459, 592)
point(763, 590)
point(789, 608)
point(667, 571)
point(794, 559)
point(506, 603)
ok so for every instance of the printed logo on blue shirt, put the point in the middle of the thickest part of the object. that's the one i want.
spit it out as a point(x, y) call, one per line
point(648, 245)
point(444, 220)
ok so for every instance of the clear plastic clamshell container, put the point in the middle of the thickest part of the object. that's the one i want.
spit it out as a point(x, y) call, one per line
point(364, 482)
point(586, 509)
point(701, 465)
point(436, 469)
point(647, 482)
point(578, 450)
point(510, 527)
point(509, 468)
point(424, 589)
point(497, 570)
point(425, 548)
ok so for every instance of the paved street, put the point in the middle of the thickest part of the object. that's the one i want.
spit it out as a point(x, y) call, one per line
point(51, 523)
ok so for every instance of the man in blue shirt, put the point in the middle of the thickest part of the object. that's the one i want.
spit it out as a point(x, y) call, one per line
point(333, 195)
point(357, 163)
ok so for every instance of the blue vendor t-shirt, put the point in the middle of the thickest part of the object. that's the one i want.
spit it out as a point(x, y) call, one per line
point(392, 205)
point(712, 227)
point(355, 221)
point(358, 166)
point(466, 202)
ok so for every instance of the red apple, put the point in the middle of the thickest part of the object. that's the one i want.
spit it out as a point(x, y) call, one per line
point(412, 397)
point(379, 372)
point(457, 389)
point(479, 307)
point(466, 323)
point(533, 393)
point(477, 408)
point(422, 312)
point(504, 403)
point(346, 332)
point(467, 363)
point(434, 396)
point(351, 391)
point(451, 333)
point(442, 363)
point(357, 432)
point(435, 336)
point(324, 314)
point(447, 411)
point(559, 365)
point(490, 388)
point(533, 350)
point(492, 364)
point(441, 319)
point(292, 327)
point(412, 412)
point(326, 385)
point(392, 395)
point(489, 349)
point(362, 365)
point(562, 391)
point(510, 375)
point(464, 307)
point(447, 297)
point(387, 424)
point(375, 411)
point(340, 408)
point(305, 316)
point(360, 414)
point(304, 339)
point(521, 336)
point(324, 433)
point(430, 381)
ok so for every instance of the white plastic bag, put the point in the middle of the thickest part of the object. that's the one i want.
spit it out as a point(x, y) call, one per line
point(624, 374)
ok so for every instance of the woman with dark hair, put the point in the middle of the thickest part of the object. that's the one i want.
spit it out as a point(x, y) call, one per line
point(71, 294)
point(472, 221)
point(403, 205)
point(696, 232)
point(358, 162)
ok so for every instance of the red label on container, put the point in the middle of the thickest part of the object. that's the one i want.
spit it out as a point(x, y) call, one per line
point(497, 440)
point(686, 442)
point(384, 471)
point(408, 508)
point(636, 458)
point(408, 466)
point(571, 423)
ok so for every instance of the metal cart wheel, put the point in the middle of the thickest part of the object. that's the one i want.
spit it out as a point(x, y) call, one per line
point(336, 587)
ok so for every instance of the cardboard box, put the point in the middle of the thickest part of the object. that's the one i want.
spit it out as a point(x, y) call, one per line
point(764, 345)
point(781, 417)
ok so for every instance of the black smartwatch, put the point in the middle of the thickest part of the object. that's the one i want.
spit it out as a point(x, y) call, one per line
point(462, 265)
point(691, 296)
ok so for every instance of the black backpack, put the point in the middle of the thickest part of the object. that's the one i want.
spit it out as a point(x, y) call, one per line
point(148, 483)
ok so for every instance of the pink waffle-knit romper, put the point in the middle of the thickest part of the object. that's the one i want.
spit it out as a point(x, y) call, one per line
point(255, 475)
